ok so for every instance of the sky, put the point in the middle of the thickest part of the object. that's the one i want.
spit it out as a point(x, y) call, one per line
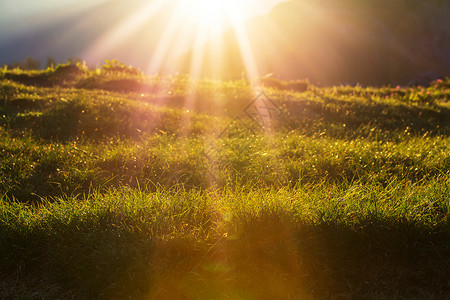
point(51, 27)
point(18, 15)
point(12, 9)
point(382, 42)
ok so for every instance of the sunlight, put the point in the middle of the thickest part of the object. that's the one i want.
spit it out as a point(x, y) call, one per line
point(195, 24)
point(213, 14)
point(205, 10)
point(176, 28)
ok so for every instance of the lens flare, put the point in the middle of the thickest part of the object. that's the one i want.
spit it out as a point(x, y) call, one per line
point(170, 29)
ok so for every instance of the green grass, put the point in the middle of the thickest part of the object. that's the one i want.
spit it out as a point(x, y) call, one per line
point(116, 185)
point(312, 241)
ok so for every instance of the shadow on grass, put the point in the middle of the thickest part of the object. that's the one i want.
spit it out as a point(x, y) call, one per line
point(268, 257)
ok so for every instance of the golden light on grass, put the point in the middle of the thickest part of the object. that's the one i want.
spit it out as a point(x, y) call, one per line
point(192, 25)
point(188, 32)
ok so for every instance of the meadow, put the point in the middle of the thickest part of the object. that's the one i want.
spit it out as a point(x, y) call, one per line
point(118, 185)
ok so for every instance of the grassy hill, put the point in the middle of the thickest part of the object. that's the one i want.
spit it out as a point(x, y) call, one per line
point(117, 185)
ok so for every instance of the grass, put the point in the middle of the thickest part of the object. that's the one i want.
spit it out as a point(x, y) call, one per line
point(116, 185)
point(312, 240)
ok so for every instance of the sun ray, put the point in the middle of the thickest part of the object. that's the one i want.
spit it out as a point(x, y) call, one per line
point(116, 35)
point(190, 25)
point(246, 52)
point(168, 45)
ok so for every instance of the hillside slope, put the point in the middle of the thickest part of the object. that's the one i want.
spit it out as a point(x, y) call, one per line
point(117, 185)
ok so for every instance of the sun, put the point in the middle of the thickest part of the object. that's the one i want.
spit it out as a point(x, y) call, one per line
point(214, 15)
point(206, 10)
point(187, 26)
